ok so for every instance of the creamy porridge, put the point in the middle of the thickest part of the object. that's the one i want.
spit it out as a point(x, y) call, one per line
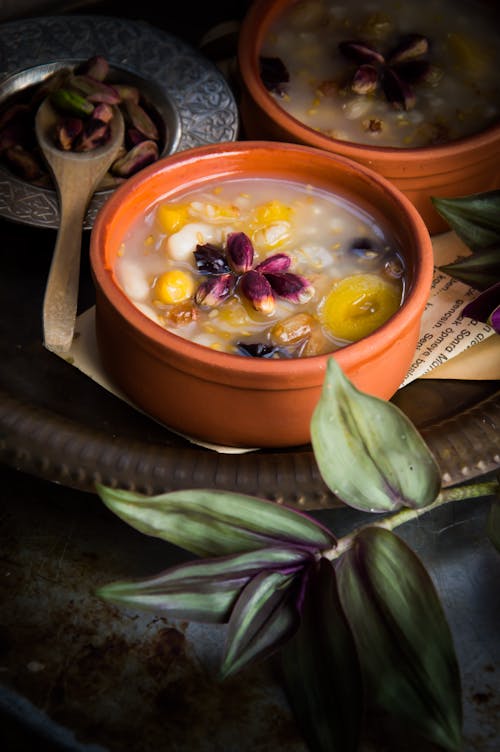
point(386, 73)
point(262, 267)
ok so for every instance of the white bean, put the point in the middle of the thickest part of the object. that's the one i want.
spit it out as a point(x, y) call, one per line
point(182, 244)
point(356, 108)
point(133, 281)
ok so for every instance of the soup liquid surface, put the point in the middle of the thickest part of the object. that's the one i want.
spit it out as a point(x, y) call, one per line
point(447, 87)
point(262, 267)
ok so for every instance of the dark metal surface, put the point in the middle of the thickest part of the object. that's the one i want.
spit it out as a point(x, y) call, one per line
point(79, 673)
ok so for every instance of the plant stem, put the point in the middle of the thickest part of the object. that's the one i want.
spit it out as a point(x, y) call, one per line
point(459, 493)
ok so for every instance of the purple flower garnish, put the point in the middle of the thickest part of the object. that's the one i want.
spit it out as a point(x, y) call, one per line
point(233, 266)
point(274, 74)
point(394, 72)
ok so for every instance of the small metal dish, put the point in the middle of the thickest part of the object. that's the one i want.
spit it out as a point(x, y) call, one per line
point(15, 88)
point(193, 99)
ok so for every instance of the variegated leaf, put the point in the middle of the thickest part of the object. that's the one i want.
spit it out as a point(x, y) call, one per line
point(322, 676)
point(475, 218)
point(204, 590)
point(212, 522)
point(493, 525)
point(368, 452)
point(263, 618)
point(404, 642)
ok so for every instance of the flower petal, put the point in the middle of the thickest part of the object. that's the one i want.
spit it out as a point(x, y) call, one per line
point(290, 286)
point(274, 74)
point(215, 290)
point(365, 79)
point(256, 288)
point(409, 47)
point(239, 250)
point(360, 52)
point(210, 259)
point(398, 92)
point(258, 349)
point(279, 262)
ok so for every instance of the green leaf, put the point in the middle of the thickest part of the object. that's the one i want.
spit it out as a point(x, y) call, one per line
point(322, 676)
point(264, 617)
point(481, 270)
point(493, 523)
point(368, 452)
point(403, 639)
point(214, 523)
point(474, 218)
point(203, 590)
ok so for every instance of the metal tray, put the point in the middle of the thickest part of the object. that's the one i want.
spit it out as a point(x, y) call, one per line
point(58, 424)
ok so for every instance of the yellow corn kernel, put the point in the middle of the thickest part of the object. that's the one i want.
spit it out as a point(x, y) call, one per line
point(223, 211)
point(359, 304)
point(174, 286)
point(172, 217)
point(273, 211)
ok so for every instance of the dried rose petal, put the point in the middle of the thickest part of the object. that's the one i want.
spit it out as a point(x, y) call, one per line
point(258, 291)
point(215, 290)
point(360, 52)
point(409, 47)
point(413, 71)
point(279, 262)
point(366, 251)
point(257, 349)
point(365, 79)
point(239, 251)
point(210, 259)
point(290, 286)
point(398, 93)
point(274, 74)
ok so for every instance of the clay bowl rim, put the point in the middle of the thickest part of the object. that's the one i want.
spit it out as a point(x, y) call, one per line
point(232, 369)
point(252, 31)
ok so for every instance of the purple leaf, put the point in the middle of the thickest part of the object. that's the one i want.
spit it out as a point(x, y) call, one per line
point(486, 307)
point(263, 618)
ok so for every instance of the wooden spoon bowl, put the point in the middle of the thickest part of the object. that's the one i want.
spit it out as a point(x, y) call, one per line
point(76, 176)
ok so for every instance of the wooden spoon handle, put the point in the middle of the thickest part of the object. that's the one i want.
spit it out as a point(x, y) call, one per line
point(61, 293)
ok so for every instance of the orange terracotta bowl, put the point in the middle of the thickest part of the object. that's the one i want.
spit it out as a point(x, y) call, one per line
point(230, 399)
point(461, 167)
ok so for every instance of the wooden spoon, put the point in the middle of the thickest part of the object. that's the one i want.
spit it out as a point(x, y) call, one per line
point(76, 176)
